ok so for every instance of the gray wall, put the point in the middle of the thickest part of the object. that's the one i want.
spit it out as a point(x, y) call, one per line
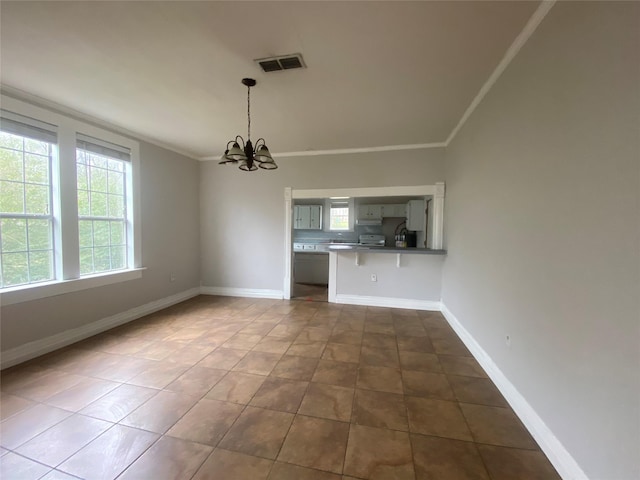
point(170, 243)
point(242, 214)
point(542, 228)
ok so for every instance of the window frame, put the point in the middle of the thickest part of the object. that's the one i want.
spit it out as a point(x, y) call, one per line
point(65, 208)
point(327, 215)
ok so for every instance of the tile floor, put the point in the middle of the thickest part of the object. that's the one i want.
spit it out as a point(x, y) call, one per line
point(230, 388)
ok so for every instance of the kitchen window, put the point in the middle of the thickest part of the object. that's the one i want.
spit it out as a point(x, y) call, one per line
point(69, 204)
point(339, 216)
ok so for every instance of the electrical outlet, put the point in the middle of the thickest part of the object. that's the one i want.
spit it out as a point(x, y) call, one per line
point(172, 277)
point(374, 277)
point(507, 340)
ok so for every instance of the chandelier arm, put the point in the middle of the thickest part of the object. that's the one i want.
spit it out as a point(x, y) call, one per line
point(241, 140)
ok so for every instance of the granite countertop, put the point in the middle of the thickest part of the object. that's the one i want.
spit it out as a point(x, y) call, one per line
point(374, 249)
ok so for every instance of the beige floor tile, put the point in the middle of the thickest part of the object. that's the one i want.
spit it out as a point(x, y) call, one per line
point(191, 354)
point(118, 403)
point(257, 329)
point(449, 346)
point(339, 352)
point(295, 368)
point(414, 344)
point(160, 412)
point(316, 443)
point(109, 454)
point(313, 334)
point(272, 345)
point(12, 404)
point(425, 384)
point(385, 328)
point(456, 365)
point(25, 425)
point(15, 467)
point(510, 463)
point(58, 443)
point(423, 362)
point(378, 454)
point(58, 475)
point(379, 357)
point(223, 358)
point(82, 394)
point(379, 340)
point(168, 459)
point(47, 385)
point(497, 426)
point(228, 465)
point(380, 409)
point(242, 341)
point(206, 422)
point(328, 401)
point(196, 381)
point(280, 394)
point(336, 373)
point(159, 350)
point(307, 349)
point(158, 375)
point(286, 471)
point(441, 418)
point(257, 363)
point(258, 432)
point(348, 337)
point(481, 391)
point(236, 387)
point(446, 459)
point(381, 379)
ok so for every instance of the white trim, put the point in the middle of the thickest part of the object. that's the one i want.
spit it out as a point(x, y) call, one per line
point(388, 302)
point(45, 345)
point(402, 191)
point(288, 240)
point(510, 54)
point(34, 291)
point(558, 455)
point(332, 287)
point(21, 95)
point(243, 292)
point(343, 151)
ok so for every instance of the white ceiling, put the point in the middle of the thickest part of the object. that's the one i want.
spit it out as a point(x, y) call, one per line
point(379, 73)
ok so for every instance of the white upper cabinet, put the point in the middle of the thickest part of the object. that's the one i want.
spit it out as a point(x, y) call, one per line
point(416, 215)
point(369, 212)
point(307, 217)
point(395, 210)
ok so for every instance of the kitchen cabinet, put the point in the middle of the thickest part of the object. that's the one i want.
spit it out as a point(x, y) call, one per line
point(369, 212)
point(311, 268)
point(394, 210)
point(307, 217)
point(416, 216)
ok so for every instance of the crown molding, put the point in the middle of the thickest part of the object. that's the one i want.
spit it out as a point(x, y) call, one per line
point(510, 54)
point(70, 112)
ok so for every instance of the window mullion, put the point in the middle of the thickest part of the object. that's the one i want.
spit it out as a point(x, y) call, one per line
point(65, 191)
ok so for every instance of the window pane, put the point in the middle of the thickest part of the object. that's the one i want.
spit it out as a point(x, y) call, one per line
point(86, 261)
point(39, 234)
point(37, 199)
point(85, 229)
point(36, 146)
point(11, 197)
point(99, 204)
point(101, 233)
point(14, 234)
point(36, 169)
point(117, 165)
point(40, 266)
point(102, 259)
point(84, 207)
point(10, 140)
point(117, 233)
point(10, 165)
point(339, 218)
point(83, 182)
point(97, 161)
point(15, 270)
point(116, 183)
point(116, 206)
point(98, 180)
point(118, 257)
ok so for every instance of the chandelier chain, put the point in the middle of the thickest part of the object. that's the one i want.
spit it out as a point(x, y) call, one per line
point(248, 113)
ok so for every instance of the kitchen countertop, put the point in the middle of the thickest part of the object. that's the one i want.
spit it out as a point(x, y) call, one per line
point(374, 249)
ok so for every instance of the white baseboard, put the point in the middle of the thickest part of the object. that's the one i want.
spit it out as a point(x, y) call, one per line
point(561, 459)
point(36, 348)
point(242, 292)
point(388, 302)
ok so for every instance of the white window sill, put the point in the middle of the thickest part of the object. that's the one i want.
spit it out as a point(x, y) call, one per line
point(26, 293)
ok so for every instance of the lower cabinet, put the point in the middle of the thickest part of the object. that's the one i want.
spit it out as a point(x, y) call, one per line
point(311, 268)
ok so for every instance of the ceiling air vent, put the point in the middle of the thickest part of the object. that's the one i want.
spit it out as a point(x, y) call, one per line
point(283, 62)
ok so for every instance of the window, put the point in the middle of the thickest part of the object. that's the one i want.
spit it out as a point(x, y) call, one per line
point(339, 215)
point(102, 213)
point(26, 221)
point(68, 204)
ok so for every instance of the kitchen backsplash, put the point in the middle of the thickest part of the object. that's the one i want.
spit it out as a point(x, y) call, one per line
point(387, 229)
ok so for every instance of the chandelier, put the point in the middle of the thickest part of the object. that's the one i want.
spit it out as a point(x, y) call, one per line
point(249, 157)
